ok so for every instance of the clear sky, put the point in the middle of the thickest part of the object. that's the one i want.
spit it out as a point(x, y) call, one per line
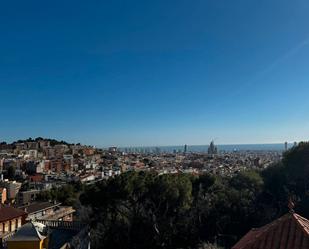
point(157, 72)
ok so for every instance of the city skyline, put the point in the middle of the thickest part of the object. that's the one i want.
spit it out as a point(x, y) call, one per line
point(186, 147)
point(155, 74)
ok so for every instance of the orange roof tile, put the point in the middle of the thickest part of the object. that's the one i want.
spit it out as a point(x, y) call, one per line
point(291, 231)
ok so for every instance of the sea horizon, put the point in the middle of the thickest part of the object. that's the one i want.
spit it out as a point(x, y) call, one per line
point(221, 147)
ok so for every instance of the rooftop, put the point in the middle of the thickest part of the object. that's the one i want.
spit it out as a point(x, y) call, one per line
point(38, 206)
point(28, 232)
point(9, 213)
point(291, 231)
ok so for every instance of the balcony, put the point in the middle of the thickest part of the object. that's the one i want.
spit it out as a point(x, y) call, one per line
point(58, 214)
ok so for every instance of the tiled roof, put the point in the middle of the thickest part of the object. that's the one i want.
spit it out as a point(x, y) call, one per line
point(9, 213)
point(38, 206)
point(291, 231)
point(27, 232)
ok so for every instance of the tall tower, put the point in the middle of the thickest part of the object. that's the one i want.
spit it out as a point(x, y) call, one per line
point(185, 149)
point(286, 146)
point(212, 149)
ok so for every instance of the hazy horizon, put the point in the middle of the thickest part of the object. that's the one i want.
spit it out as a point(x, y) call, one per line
point(153, 145)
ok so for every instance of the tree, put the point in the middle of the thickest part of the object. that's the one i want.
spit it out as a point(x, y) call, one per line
point(289, 178)
point(207, 246)
point(11, 172)
point(67, 194)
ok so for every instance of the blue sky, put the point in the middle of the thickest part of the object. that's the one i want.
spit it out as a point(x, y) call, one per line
point(155, 72)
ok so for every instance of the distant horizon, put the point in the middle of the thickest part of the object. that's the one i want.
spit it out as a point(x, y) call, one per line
point(9, 141)
point(219, 144)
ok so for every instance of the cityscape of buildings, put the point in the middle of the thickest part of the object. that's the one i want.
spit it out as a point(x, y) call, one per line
point(29, 167)
point(45, 163)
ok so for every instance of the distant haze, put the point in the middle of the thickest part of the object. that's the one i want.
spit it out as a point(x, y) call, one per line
point(221, 147)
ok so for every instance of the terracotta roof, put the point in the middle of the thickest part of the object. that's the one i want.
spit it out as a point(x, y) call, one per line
point(291, 231)
point(9, 213)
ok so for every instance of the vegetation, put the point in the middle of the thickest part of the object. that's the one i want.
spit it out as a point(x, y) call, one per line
point(53, 142)
point(207, 246)
point(10, 173)
point(67, 194)
point(146, 210)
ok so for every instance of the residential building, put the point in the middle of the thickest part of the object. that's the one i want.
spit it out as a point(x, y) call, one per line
point(48, 211)
point(25, 197)
point(50, 235)
point(10, 220)
point(3, 195)
point(12, 188)
point(32, 235)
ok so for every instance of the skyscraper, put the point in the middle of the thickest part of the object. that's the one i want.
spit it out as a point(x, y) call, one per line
point(185, 149)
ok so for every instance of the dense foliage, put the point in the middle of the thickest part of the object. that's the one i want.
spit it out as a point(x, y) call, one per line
point(146, 210)
point(67, 194)
point(53, 142)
